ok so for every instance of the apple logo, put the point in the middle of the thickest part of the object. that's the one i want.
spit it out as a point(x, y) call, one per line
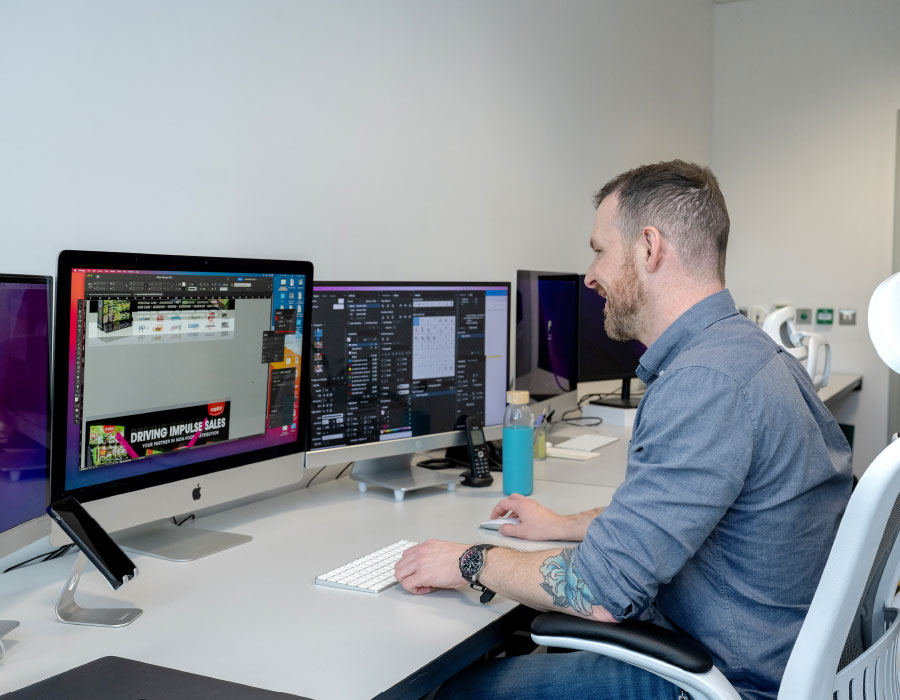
point(195, 494)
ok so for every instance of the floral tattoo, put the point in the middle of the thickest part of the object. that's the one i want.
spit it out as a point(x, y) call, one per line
point(564, 585)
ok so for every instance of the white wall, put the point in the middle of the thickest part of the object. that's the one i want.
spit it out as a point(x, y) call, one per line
point(806, 94)
point(404, 139)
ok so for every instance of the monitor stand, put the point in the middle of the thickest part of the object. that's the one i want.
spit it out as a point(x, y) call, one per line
point(397, 474)
point(70, 612)
point(626, 400)
point(165, 540)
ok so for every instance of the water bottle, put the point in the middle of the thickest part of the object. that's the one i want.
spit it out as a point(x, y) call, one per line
point(518, 451)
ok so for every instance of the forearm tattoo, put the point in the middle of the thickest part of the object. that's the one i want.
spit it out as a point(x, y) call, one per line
point(563, 583)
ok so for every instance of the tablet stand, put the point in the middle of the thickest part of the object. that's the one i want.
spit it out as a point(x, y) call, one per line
point(68, 611)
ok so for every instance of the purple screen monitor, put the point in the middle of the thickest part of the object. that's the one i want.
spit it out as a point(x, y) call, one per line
point(24, 398)
point(599, 356)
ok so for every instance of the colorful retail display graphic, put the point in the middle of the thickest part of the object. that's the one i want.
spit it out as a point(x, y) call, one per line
point(117, 440)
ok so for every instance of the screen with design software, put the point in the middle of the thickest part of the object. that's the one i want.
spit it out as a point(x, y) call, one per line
point(402, 360)
point(171, 371)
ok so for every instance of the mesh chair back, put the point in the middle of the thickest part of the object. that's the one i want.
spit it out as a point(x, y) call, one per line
point(847, 647)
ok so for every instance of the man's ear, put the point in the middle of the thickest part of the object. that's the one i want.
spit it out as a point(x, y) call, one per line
point(653, 248)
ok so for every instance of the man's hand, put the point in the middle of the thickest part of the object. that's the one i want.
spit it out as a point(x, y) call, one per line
point(537, 522)
point(431, 565)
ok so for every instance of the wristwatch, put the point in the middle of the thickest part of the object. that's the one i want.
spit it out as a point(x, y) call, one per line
point(470, 565)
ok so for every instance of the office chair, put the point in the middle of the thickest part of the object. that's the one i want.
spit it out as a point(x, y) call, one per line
point(806, 347)
point(848, 643)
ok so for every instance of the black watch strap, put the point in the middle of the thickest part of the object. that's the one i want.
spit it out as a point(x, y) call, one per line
point(470, 565)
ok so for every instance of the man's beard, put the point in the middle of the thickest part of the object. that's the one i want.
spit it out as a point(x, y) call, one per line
point(624, 302)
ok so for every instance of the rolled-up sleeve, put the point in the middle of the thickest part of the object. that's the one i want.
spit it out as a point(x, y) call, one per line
point(689, 456)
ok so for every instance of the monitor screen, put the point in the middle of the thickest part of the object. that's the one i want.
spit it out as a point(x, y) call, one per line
point(170, 367)
point(600, 357)
point(401, 360)
point(546, 332)
point(25, 306)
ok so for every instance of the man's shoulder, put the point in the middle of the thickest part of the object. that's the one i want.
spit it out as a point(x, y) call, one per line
point(733, 346)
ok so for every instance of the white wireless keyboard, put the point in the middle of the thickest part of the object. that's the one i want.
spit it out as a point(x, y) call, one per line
point(371, 574)
point(587, 442)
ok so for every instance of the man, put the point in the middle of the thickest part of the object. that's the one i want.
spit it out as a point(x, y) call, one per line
point(737, 474)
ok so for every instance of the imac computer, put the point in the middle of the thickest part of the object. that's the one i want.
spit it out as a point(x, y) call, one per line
point(25, 311)
point(180, 383)
point(546, 332)
point(398, 367)
point(599, 356)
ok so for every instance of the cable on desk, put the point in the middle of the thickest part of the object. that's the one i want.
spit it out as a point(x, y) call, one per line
point(442, 463)
point(582, 420)
point(186, 518)
point(315, 475)
point(344, 469)
point(46, 556)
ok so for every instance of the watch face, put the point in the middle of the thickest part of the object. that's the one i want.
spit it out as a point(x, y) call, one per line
point(470, 563)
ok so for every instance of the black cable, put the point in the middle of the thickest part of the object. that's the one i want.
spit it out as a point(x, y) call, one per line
point(62, 551)
point(186, 518)
point(594, 421)
point(344, 469)
point(45, 556)
point(315, 475)
point(442, 463)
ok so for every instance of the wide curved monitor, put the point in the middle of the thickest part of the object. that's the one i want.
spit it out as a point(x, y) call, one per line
point(25, 322)
point(180, 384)
point(398, 366)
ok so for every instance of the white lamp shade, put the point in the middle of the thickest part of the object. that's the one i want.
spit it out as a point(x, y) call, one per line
point(884, 321)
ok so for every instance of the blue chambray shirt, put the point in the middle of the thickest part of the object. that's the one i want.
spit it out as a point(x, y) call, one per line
point(737, 478)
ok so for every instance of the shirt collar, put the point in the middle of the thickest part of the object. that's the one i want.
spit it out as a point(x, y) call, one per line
point(696, 319)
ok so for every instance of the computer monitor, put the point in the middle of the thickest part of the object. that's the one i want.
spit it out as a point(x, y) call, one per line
point(181, 383)
point(599, 356)
point(546, 332)
point(25, 321)
point(397, 367)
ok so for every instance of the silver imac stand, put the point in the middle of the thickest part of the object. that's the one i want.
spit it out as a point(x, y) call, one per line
point(165, 540)
point(68, 611)
point(397, 474)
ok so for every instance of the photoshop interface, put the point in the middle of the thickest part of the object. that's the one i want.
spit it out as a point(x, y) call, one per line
point(170, 361)
point(392, 362)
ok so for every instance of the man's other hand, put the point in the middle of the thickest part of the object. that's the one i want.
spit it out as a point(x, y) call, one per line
point(431, 565)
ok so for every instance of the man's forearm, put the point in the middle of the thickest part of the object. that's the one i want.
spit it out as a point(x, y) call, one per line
point(547, 580)
point(578, 524)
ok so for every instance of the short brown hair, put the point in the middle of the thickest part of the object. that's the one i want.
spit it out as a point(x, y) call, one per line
point(684, 202)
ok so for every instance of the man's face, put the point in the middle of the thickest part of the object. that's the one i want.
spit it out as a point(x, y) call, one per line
point(613, 274)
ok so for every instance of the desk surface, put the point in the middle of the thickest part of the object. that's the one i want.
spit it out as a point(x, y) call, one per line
point(253, 615)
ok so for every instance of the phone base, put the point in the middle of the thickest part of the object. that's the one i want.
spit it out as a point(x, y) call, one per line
point(68, 611)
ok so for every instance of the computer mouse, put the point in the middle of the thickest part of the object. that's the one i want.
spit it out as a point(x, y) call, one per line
point(497, 522)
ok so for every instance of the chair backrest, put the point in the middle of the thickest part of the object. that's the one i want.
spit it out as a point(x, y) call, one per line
point(847, 647)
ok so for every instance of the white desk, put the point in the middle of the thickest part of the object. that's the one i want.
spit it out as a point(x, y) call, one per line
point(606, 469)
point(253, 615)
point(839, 385)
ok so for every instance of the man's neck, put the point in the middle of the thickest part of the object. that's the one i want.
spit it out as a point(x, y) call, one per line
point(672, 302)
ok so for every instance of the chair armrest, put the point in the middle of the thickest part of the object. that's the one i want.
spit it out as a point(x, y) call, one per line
point(641, 637)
